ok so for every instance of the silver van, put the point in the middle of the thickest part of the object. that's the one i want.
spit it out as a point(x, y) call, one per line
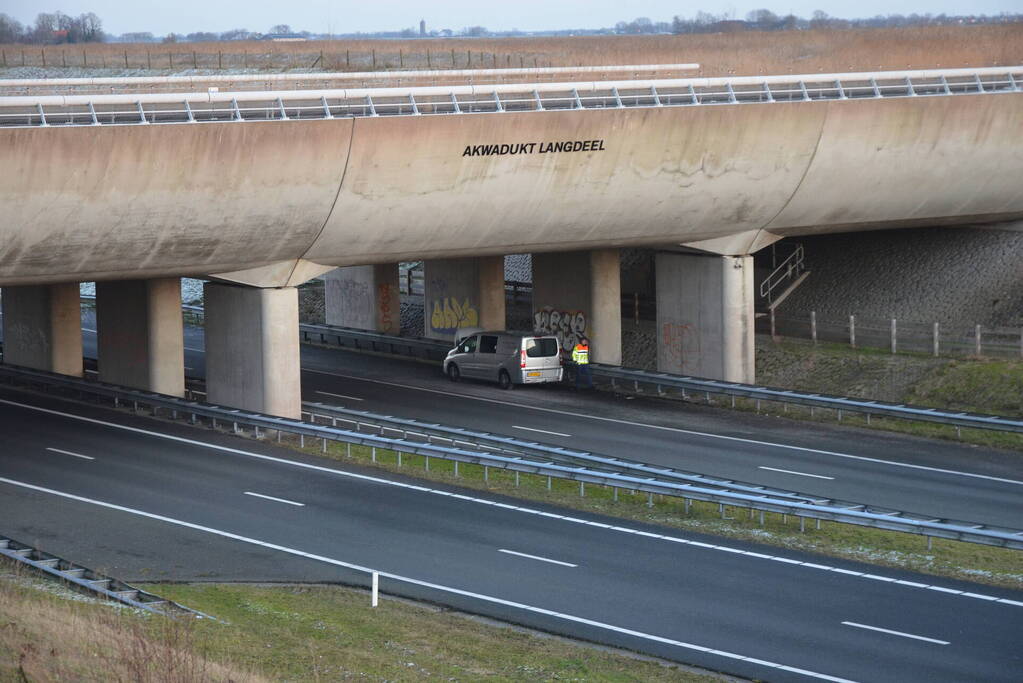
point(505, 357)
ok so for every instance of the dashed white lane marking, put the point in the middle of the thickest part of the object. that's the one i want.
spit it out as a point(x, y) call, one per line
point(277, 500)
point(434, 586)
point(895, 633)
point(86, 329)
point(801, 474)
point(76, 455)
point(350, 398)
point(541, 431)
point(190, 348)
point(677, 430)
point(516, 508)
point(537, 557)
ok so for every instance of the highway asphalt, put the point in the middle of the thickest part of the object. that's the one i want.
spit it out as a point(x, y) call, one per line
point(149, 500)
point(933, 477)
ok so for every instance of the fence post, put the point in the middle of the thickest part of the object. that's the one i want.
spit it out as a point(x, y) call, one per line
point(813, 326)
point(852, 331)
point(774, 336)
point(936, 337)
point(149, 60)
point(348, 59)
point(401, 59)
point(63, 59)
point(4, 53)
point(125, 59)
point(977, 339)
point(42, 54)
point(374, 60)
point(893, 335)
point(375, 600)
point(429, 63)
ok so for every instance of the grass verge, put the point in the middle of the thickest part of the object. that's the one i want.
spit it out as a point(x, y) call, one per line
point(294, 633)
point(50, 633)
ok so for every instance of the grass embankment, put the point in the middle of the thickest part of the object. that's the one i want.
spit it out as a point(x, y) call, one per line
point(953, 559)
point(978, 385)
point(295, 633)
point(49, 633)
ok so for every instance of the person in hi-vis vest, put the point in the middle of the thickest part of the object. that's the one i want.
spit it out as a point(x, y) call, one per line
point(581, 358)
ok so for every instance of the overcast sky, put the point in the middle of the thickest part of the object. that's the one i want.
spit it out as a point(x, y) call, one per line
point(345, 16)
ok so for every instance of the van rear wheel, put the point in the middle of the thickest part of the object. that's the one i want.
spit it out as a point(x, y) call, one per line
point(504, 380)
point(454, 374)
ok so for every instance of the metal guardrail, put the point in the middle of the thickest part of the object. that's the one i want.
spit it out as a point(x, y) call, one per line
point(859, 515)
point(91, 580)
point(867, 407)
point(280, 105)
point(458, 436)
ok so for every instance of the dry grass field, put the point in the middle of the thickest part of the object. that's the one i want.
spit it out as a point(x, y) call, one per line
point(719, 54)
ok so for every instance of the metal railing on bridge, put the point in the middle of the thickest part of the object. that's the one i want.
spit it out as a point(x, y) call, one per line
point(279, 105)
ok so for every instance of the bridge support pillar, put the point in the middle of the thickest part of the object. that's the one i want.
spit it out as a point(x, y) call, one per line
point(43, 328)
point(252, 349)
point(578, 294)
point(705, 316)
point(364, 297)
point(463, 293)
point(140, 335)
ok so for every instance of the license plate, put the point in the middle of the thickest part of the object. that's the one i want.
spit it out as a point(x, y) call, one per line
point(532, 374)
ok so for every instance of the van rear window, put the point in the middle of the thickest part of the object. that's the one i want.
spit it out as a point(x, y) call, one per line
point(541, 347)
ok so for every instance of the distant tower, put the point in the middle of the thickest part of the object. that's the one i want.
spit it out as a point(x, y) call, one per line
point(422, 27)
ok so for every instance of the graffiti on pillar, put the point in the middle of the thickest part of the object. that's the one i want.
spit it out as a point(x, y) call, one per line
point(673, 337)
point(568, 326)
point(448, 315)
point(385, 299)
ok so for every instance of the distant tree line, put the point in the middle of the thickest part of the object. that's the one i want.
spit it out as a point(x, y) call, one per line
point(766, 20)
point(52, 28)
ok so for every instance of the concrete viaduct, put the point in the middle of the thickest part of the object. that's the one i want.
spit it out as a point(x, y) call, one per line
point(261, 190)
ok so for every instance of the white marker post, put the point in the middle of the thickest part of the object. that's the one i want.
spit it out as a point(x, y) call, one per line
point(376, 589)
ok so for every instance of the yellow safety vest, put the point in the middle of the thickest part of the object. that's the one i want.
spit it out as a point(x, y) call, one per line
point(581, 354)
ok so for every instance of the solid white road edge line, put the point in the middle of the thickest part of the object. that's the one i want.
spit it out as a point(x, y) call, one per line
point(350, 398)
point(541, 431)
point(425, 584)
point(515, 508)
point(277, 500)
point(895, 633)
point(537, 557)
point(739, 439)
point(77, 455)
point(801, 474)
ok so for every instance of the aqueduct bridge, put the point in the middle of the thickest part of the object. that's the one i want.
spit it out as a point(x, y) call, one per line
point(261, 190)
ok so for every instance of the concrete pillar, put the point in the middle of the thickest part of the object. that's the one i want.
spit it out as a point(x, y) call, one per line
point(705, 316)
point(493, 315)
point(606, 306)
point(252, 350)
point(140, 335)
point(577, 294)
point(364, 297)
point(43, 328)
point(463, 293)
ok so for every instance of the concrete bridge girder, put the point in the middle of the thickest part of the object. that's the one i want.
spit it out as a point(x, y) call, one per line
point(115, 202)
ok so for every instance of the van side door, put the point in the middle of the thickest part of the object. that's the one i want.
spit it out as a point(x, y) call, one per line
point(486, 356)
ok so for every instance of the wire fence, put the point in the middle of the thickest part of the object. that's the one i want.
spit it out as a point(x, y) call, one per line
point(157, 57)
point(904, 336)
